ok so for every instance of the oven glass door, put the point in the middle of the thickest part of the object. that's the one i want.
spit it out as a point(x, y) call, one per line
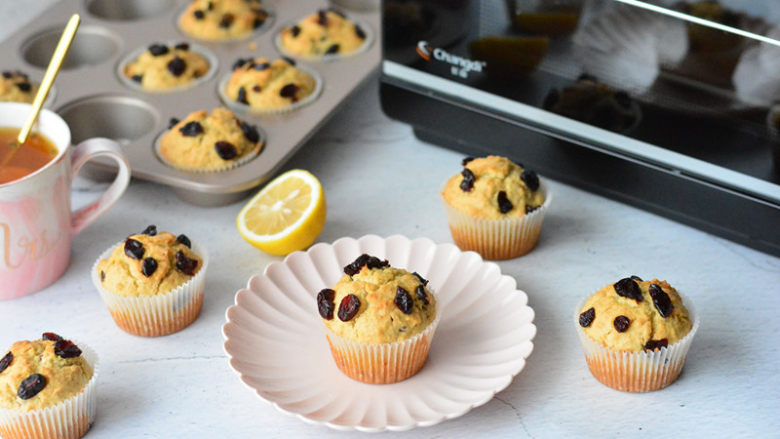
point(689, 85)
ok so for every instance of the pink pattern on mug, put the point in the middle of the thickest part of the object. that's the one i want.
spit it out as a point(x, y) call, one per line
point(36, 223)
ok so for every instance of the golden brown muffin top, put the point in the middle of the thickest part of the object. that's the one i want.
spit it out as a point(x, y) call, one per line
point(634, 315)
point(209, 141)
point(162, 67)
point(375, 303)
point(493, 187)
point(42, 373)
point(325, 32)
point(222, 19)
point(264, 84)
point(149, 264)
point(16, 87)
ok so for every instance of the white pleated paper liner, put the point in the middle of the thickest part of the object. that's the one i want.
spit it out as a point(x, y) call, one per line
point(159, 315)
point(246, 158)
point(636, 371)
point(211, 59)
point(382, 363)
point(244, 108)
point(69, 419)
point(497, 239)
point(367, 42)
point(267, 24)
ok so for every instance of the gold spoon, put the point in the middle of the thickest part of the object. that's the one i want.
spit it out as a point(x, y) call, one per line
point(48, 79)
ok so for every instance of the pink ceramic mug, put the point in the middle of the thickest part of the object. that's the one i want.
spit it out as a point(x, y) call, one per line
point(36, 222)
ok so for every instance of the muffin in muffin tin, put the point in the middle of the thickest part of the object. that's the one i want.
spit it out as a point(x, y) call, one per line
point(209, 142)
point(222, 20)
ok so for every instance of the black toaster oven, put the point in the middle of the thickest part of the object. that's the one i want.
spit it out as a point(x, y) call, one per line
point(671, 106)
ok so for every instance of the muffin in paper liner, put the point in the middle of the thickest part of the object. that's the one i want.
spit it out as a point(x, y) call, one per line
point(383, 363)
point(197, 48)
point(636, 371)
point(369, 40)
point(238, 163)
point(497, 239)
point(244, 108)
point(69, 419)
point(158, 315)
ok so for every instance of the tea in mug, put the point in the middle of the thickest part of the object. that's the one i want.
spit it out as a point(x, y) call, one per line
point(34, 154)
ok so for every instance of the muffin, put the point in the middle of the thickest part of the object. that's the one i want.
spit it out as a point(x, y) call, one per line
point(636, 334)
point(594, 103)
point(266, 85)
point(218, 20)
point(209, 142)
point(162, 67)
point(382, 328)
point(16, 87)
point(47, 389)
point(495, 207)
point(152, 283)
point(325, 32)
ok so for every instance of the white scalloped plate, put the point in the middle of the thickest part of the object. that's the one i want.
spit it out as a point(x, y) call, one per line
point(276, 342)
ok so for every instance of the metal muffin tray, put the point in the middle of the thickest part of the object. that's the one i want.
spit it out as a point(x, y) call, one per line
point(95, 102)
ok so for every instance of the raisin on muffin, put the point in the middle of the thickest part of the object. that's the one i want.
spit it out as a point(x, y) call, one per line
point(268, 85)
point(42, 373)
point(217, 20)
point(209, 141)
point(16, 87)
point(149, 264)
point(325, 32)
point(161, 67)
point(635, 315)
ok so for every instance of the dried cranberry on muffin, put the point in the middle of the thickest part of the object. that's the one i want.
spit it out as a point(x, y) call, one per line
point(50, 374)
point(162, 67)
point(16, 87)
point(152, 283)
point(217, 20)
point(204, 141)
point(268, 85)
point(325, 32)
point(623, 324)
point(380, 321)
point(495, 207)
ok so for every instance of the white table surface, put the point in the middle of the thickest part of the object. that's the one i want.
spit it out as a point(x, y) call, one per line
point(379, 179)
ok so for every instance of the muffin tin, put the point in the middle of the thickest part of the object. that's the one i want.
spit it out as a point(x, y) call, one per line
point(96, 102)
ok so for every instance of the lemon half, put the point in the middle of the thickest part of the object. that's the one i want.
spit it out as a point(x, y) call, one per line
point(286, 215)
